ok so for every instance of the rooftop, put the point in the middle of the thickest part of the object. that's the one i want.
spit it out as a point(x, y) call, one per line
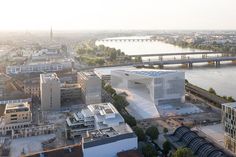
point(49, 77)
point(17, 106)
point(109, 132)
point(149, 72)
point(231, 105)
point(68, 151)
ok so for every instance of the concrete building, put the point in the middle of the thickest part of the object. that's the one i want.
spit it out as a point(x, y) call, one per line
point(107, 142)
point(147, 89)
point(31, 87)
point(70, 92)
point(95, 116)
point(50, 92)
point(15, 116)
point(91, 87)
point(229, 121)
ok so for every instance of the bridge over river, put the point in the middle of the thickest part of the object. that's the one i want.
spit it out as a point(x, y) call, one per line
point(187, 58)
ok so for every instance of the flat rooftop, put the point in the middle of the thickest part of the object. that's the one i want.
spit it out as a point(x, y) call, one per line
point(17, 106)
point(109, 132)
point(103, 108)
point(149, 72)
point(49, 77)
point(231, 105)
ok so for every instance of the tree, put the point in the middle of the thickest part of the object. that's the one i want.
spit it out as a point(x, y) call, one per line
point(212, 91)
point(149, 151)
point(183, 152)
point(166, 147)
point(231, 99)
point(152, 132)
point(165, 130)
point(129, 120)
point(139, 132)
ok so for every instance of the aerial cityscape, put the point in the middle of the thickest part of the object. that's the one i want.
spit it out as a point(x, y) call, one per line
point(136, 78)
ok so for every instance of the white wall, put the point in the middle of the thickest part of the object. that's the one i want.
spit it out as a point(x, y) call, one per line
point(111, 149)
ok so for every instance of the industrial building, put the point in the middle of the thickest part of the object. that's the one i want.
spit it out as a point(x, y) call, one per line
point(229, 121)
point(50, 92)
point(147, 89)
point(200, 146)
point(91, 87)
point(94, 116)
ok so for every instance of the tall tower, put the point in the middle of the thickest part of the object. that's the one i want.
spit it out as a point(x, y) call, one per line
point(51, 34)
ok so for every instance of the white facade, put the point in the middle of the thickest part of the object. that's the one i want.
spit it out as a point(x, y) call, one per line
point(95, 116)
point(109, 141)
point(50, 92)
point(146, 89)
point(91, 87)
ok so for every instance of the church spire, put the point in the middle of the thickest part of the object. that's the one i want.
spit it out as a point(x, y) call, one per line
point(51, 35)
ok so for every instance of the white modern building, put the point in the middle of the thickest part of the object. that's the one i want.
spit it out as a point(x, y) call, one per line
point(50, 91)
point(15, 116)
point(94, 116)
point(147, 89)
point(91, 87)
point(109, 141)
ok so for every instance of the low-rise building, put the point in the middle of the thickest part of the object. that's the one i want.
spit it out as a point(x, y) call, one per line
point(107, 142)
point(38, 68)
point(16, 116)
point(91, 87)
point(94, 116)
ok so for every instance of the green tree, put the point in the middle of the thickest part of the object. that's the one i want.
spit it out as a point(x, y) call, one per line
point(152, 132)
point(183, 152)
point(166, 147)
point(149, 151)
point(212, 91)
point(165, 130)
point(231, 99)
point(140, 133)
point(130, 120)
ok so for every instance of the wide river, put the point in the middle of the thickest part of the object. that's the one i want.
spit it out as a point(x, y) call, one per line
point(222, 79)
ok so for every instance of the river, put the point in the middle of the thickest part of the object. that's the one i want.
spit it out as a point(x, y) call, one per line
point(221, 79)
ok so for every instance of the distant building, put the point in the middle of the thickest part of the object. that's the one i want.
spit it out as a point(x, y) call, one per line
point(91, 87)
point(109, 141)
point(38, 68)
point(229, 121)
point(16, 116)
point(149, 88)
point(50, 92)
point(94, 116)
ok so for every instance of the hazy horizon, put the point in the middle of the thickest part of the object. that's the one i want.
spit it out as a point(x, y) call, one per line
point(79, 15)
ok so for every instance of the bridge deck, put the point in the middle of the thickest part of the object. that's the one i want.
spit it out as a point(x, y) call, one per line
point(180, 53)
